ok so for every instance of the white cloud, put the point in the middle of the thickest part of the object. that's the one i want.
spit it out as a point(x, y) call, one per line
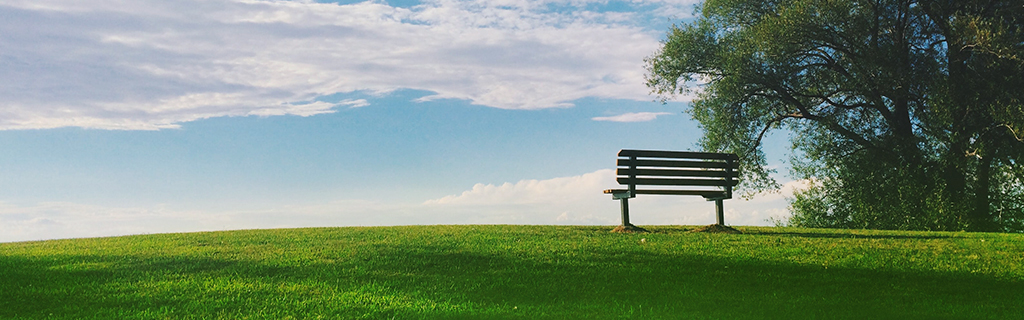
point(579, 200)
point(58, 220)
point(632, 117)
point(153, 64)
point(51, 220)
point(563, 200)
point(354, 103)
point(534, 191)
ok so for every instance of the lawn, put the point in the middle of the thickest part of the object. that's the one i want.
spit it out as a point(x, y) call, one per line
point(525, 272)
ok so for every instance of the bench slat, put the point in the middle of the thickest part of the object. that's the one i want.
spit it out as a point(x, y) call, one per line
point(677, 173)
point(674, 164)
point(677, 182)
point(703, 193)
point(676, 154)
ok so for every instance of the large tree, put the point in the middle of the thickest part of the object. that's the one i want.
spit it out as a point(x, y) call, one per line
point(905, 114)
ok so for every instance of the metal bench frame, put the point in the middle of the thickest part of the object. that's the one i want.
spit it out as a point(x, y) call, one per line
point(710, 175)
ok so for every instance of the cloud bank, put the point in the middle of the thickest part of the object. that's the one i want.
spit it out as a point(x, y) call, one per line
point(153, 64)
point(575, 200)
point(580, 200)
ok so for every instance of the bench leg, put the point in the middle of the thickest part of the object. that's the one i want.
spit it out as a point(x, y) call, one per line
point(625, 211)
point(721, 212)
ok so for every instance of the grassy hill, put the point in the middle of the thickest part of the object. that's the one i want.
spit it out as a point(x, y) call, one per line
point(517, 272)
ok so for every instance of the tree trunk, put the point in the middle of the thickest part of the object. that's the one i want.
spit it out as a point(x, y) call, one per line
point(981, 218)
point(958, 111)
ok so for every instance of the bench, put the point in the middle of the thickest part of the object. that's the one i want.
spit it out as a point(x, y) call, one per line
point(710, 175)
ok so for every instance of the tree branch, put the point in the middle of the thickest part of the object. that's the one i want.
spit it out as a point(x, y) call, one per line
point(1019, 137)
point(767, 126)
point(806, 114)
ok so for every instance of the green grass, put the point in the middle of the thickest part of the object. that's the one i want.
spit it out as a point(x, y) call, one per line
point(517, 272)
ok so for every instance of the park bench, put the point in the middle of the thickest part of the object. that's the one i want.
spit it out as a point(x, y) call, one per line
point(710, 175)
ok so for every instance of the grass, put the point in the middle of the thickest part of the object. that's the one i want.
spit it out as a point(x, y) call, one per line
point(517, 272)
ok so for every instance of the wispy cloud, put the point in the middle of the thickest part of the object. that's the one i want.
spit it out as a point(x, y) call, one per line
point(153, 64)
point(354, 103)
point(632, 117)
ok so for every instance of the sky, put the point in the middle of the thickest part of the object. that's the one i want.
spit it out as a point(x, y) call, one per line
point(154, 116)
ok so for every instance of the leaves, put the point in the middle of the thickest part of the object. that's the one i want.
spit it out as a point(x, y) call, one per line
point(908, 112)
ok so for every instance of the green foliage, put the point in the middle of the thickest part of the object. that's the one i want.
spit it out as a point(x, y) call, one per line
point(907, 113)
point(528, 272)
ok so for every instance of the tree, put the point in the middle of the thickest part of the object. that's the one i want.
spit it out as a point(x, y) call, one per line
point(905, 114)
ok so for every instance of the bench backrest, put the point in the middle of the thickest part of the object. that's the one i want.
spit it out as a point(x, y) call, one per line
point(711, 175)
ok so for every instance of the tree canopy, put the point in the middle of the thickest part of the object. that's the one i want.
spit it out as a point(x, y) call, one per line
point(904, 114)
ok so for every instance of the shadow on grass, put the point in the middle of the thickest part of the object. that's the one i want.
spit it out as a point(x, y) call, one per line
point(450, 281)
point(126, 287)
point(77, 286)
point(616, 284)
point(857, 236)
point(809, 234)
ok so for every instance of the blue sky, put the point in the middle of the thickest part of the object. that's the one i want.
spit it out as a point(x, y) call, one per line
point(173, 116)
